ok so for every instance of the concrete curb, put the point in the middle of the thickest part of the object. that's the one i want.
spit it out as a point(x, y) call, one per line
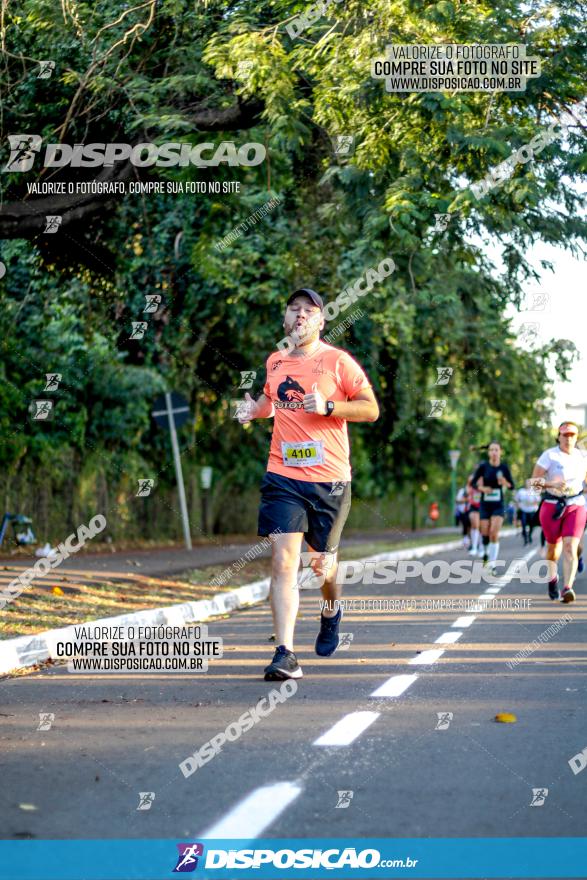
point(25, 651)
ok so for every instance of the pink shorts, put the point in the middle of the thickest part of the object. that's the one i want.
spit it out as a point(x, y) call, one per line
point(570, 525)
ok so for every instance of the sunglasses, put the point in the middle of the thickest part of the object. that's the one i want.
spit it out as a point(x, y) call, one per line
point(569, 434)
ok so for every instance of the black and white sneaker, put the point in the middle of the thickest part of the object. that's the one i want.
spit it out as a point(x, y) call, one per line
point(327, 639)
point(567, 595)
point(553, 589)
point(284, 665)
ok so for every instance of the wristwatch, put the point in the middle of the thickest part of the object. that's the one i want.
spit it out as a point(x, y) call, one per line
point(329, 407)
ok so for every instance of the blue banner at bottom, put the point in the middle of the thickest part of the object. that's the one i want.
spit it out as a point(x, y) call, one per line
point(284, 859)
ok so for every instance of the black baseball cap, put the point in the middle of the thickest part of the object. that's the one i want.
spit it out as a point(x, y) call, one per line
point(307, 291)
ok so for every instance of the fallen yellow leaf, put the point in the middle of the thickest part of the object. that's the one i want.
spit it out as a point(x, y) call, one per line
point(506, 717)
point(57, 591)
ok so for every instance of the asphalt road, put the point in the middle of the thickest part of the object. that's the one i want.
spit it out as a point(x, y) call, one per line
point(114, 736)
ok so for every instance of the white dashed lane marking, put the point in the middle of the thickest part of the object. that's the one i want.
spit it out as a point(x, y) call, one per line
point(251, 816)
point(448, 638)
point(347, 729)
point(426, 658)
point(395, 686)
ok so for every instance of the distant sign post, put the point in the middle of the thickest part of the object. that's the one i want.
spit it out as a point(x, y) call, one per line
point(172, 410)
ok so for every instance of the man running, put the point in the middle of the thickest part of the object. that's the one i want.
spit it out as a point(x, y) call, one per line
point(491, 478)
point(560, 472)
point(528, 501)
point(312, 391)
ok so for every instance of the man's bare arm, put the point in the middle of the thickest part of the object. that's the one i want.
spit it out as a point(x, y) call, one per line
point(362, 408)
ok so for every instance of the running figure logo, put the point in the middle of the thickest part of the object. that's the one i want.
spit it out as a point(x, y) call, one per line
point(444, 374)
point(52, 223)
point(539, 795)
point(241, 409)
point(444, 719)
point(41, 410)
point(138, 329)
point(146, 799)
point(243, 68)
point(528, 332)
point(46, 69)
point(436, 408)
point(539, 302)
point(23, 148)
point(442, 221)
point(187, 860)
point(344, 642)
point(53, 380)
point(344, 800)
point(247, 379)
point(145, 487)
point(152, 302)
point(46, 719)
point(343, 144)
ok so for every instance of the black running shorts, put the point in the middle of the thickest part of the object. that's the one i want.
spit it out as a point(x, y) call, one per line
point(488, 509)
point(319, 510)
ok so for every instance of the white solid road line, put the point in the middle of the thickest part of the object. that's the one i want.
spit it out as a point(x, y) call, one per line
point(395, 686)
point(426, 658)
point(251, 816)
point(448, 638)
point(347, 729)
point(493, 590)
point(463, 622)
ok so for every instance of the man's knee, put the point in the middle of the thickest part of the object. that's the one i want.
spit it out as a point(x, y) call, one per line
point(284, 561)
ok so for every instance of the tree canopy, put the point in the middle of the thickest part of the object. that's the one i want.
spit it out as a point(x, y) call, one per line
point(190, 72)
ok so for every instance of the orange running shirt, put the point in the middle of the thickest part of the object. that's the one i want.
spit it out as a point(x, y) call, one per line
point(336, 376)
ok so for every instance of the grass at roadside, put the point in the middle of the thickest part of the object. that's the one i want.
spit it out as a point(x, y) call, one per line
point(70, 597)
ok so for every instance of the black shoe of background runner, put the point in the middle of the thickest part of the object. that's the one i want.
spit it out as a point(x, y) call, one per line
point(284, 665)
point(568, 595)
point(485, 559)
point(580, 565)
point(553, 588)
point(327, 639)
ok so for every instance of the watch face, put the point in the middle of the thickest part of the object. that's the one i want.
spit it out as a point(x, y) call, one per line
point(329, 406)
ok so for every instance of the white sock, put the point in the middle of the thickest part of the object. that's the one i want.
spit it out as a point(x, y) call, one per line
point(475, 534)
point(493, 551)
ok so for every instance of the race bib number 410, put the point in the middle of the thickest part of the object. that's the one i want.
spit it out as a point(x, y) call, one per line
point(303, 454)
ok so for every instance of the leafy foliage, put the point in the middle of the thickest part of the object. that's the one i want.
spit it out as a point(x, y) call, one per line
point(217, 71)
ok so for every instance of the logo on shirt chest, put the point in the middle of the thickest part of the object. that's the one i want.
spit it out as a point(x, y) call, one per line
point(290, 394)
point(288, 391)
